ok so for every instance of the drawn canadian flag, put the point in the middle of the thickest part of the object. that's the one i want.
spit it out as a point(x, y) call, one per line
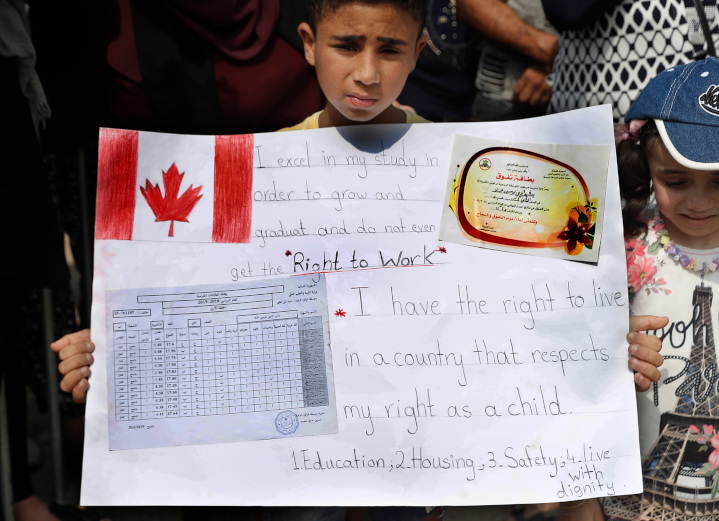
point(170, 187)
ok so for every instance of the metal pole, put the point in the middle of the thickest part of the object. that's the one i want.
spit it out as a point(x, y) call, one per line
point(52, 391)
point(85, 235)
point(8, 509)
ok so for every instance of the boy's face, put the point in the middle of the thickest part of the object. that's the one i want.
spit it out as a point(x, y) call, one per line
point(362, 55)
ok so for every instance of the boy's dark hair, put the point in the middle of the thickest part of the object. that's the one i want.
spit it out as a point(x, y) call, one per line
point(318, 9)
point(635, 178)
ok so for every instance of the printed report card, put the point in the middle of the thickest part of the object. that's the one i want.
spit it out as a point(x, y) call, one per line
point(210, 364)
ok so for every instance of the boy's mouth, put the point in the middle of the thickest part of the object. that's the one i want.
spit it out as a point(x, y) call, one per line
point(361, 102)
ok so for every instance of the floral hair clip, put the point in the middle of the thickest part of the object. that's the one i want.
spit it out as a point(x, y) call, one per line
point(627, 135)
point(631, 131)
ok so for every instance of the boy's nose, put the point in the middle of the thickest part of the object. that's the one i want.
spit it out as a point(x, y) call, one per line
point(366, 71)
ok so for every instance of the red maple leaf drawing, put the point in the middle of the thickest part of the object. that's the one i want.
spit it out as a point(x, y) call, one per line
point(288, 253)
point(340, 313)
point(441, 249)
point(170, 207)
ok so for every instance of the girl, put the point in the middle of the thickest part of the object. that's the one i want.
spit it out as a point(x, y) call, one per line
point(669, 179)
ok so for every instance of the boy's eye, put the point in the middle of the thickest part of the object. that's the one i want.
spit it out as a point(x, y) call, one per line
point(345, 47)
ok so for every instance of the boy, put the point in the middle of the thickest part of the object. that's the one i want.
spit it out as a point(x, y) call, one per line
point(362, 52)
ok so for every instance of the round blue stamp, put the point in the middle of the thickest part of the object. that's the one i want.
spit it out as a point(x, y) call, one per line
point(286, 422)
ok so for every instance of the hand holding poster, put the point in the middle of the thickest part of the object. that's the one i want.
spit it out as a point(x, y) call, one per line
point(461, 375)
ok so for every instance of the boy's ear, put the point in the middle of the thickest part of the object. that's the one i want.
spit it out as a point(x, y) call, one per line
point(308, 38)
point(421, 42)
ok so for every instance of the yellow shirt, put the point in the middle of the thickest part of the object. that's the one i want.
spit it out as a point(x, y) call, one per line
point(313, 121)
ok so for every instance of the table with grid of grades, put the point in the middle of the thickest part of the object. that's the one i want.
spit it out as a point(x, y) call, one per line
point(200, 370)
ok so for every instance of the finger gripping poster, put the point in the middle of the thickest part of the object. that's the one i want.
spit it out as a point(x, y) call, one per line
point(373, 315)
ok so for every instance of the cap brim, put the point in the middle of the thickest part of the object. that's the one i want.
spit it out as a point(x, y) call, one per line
point(691, 145)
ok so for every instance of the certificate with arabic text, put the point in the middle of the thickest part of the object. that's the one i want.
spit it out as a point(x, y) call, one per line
point(536, 199)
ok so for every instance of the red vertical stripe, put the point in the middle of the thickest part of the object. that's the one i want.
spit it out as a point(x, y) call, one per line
point(116, 173)
point(233, 188)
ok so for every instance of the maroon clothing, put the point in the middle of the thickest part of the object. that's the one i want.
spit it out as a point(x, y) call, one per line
point(159, 54)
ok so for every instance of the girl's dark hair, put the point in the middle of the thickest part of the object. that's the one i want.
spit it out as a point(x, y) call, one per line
point(318, 9)
point(635, 178)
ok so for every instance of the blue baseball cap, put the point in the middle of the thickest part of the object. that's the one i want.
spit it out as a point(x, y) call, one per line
point(684, 103)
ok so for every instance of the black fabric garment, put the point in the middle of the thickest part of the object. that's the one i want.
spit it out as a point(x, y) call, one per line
point(34, 256)
point(441, 87)
point(12, 373)
point(292, 14)
point(177, 71)
point(575, 14)
point(32, 235)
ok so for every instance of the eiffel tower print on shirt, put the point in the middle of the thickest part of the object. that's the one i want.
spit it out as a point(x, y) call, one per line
point(675, 484)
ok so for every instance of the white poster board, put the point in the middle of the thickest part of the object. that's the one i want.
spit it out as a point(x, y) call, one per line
point(461, 375)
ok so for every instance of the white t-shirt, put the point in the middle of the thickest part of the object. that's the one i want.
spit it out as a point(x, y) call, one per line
point(678, 416)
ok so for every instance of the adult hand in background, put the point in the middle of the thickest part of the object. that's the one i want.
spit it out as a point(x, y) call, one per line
point(532, 89)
